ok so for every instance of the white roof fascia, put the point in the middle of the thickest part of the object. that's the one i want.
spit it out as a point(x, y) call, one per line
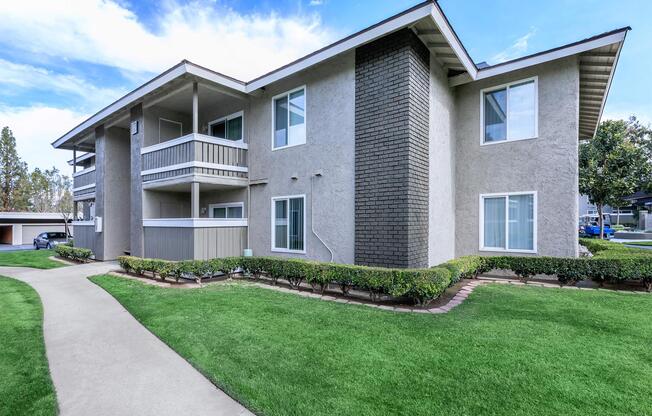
point(453, 41)
point(82, 158)
point(355, 41)
point(123, 102)
point(551, 56)
point(611, 77)
point(215, 77)
point(31, 215)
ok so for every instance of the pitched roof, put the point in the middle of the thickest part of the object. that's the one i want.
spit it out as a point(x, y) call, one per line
point(431, 25)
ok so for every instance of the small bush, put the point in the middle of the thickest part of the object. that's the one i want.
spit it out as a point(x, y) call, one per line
point(467, 267)
point(73, 253)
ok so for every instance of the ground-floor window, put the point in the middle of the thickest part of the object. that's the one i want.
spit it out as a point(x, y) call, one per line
point(227, 210)
point(508, 222)
point(288, 223)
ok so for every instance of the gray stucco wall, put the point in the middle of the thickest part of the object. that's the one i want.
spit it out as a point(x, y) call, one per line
point(151, 122)
point(166, 204)
point(441, 201)
point(136, 199)
point(330, 89)
point(547, 164)
point(117, 187)
point(95, 241)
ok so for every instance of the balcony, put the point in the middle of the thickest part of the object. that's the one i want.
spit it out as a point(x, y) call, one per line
point(194, 158)
point(194, 238)
point(84, 184)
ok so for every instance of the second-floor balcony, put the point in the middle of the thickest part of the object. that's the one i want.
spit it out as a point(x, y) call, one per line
point(84, 184)
point(194, 158)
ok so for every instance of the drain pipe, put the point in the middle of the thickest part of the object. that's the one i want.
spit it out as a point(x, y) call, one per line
point(317, 174)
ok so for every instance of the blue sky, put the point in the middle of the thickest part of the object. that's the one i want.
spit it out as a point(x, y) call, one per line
point(60, 64)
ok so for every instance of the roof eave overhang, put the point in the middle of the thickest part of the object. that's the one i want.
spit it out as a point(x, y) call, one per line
point(69, 139)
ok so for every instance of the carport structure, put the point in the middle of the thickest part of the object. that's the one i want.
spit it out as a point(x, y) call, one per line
point(18, 228)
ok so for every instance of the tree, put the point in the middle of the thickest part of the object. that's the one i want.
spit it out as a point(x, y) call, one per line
point(613, 164)
point(14, 182)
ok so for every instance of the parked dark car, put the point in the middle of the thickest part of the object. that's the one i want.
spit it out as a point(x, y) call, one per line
point(49, 240)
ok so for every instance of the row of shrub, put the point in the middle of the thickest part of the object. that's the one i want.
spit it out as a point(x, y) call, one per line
point(420, 285)
point(73, 253)
point(611, 263)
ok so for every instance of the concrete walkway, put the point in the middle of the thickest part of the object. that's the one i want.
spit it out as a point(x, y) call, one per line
point(103, 362)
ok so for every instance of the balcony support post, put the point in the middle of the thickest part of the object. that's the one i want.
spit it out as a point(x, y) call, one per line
point(75, 204)
point(195, 108)
point(194, 203)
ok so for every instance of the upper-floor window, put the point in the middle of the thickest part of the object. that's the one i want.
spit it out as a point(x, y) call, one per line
point(509, 112)
point(226, 211)
point(289, 119)
point(229, 127)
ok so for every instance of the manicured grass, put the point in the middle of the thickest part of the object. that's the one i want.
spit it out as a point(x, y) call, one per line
point(29, 258)
point(639, 243)
point(504, 351)
point(25, 385)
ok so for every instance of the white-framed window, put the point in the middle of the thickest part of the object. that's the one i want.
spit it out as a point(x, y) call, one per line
point(289, 119)
point(169, 129)
point(226, 211)
point(510, 112)
point(230, 127)
point(289, 224)
point(508, 222)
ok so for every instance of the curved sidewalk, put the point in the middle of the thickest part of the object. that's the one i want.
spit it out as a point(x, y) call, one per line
point(104, 362)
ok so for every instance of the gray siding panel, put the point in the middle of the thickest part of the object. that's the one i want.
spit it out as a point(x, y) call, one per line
point(219, 242)
point(172, 243)
point(84, 236)
point(391, 152)
point(168, 243)
point(83, 180)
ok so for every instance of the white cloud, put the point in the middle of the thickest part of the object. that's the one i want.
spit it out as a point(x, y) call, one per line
point(316, 2)
point(516, 50)
point(15, 78)
point(105, 32)
point(35, 128)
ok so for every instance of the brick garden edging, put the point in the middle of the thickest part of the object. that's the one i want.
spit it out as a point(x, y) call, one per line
point(457, 299)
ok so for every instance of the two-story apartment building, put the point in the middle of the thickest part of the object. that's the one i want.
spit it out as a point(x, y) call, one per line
point(389, 147)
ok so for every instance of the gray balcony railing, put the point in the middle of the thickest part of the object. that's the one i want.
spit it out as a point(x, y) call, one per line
point(194, 238)
point(84, 182)
point(194, 154)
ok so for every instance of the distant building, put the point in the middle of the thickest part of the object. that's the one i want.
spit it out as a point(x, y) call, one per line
point(21, 227)
point(624, 215)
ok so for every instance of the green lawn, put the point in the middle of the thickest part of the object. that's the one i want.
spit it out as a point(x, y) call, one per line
point(639, 243)
point(504, 351)
point(25, 385)
point(29, 258)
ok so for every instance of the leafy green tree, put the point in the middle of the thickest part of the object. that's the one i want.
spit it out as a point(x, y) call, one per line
point(14, 181)
point(612, 165)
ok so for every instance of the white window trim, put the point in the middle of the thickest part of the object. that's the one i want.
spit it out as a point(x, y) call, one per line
point(506, 249)
point(305, 117)
point(506, 86)
point(227, 118)
point(225, 205)
point(273, 218)
point(169, 121)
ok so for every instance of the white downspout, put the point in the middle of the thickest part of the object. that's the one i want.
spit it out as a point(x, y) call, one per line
point(312, 215)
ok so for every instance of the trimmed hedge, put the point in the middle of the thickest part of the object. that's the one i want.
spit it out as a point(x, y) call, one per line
point(73, 253)
point(421, 285)
point(611, 262)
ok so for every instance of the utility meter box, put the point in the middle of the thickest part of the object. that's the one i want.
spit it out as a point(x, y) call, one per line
point(98, 224)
